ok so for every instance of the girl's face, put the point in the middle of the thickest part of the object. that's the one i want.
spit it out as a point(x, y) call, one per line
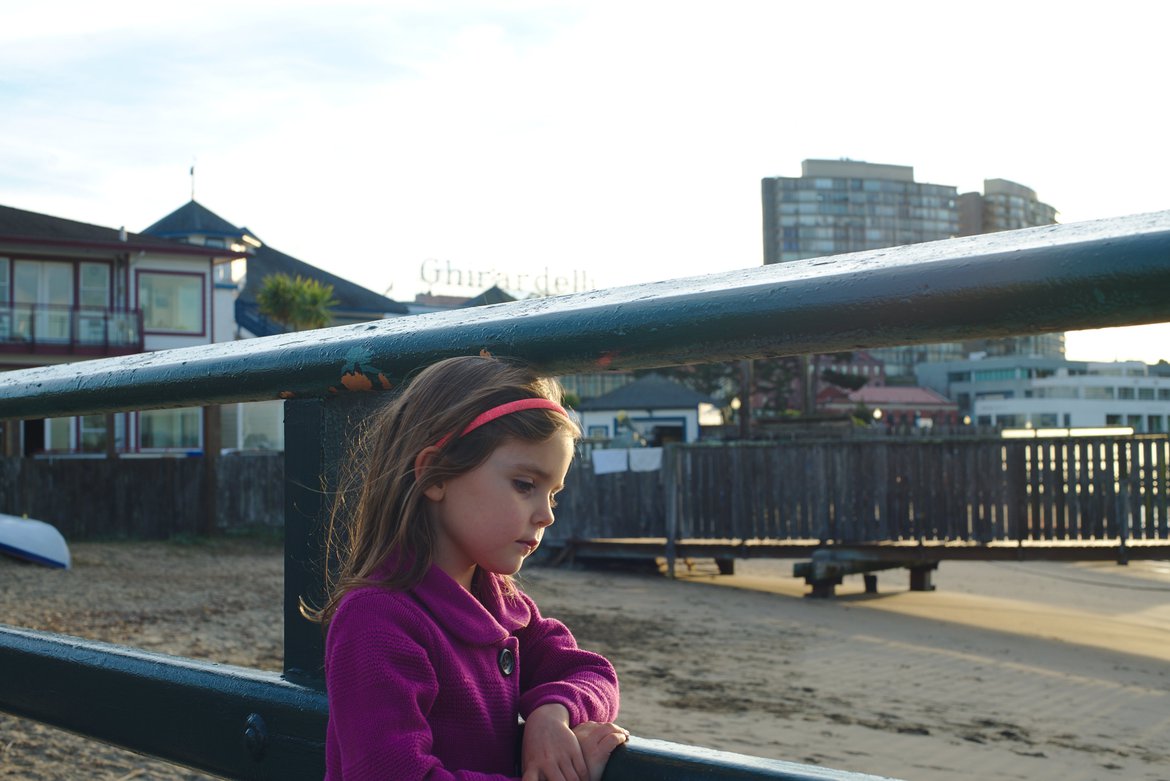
point(495, 515)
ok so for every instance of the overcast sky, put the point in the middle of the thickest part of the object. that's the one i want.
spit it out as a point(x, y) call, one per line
point(617, 142)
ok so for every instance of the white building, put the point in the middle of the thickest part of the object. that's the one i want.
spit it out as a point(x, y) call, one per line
point(658, 410)
point(1121, 394)
point(1049, 393)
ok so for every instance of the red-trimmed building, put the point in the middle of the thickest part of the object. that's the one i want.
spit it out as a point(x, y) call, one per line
point(892, 405)
point(72, 291)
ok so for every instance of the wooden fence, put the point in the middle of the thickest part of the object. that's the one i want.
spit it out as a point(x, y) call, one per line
point(143, 498)
point(850, 491)
point(874, 491)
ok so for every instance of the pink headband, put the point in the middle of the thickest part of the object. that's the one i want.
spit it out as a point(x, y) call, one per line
point(506, 409)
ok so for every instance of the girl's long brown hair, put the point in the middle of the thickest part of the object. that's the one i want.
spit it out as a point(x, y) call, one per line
point(379, 516)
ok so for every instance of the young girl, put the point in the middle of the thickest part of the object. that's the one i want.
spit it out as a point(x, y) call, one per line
point(432, 653)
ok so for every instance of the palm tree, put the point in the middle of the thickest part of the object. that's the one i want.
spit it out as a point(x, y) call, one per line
point(296, 303)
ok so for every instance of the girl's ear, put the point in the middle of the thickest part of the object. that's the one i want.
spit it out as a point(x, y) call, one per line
point(421, 462)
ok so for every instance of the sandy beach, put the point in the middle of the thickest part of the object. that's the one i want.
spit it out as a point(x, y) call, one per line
point(1015, 671)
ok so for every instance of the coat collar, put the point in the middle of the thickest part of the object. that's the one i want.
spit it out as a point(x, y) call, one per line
point(488, 620)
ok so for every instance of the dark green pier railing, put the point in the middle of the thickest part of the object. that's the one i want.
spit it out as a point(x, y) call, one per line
point(242, 723)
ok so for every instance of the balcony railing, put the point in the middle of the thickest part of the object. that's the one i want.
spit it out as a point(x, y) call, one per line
point(50, 328)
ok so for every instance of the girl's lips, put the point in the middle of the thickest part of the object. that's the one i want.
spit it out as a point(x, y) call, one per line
point(530, 544)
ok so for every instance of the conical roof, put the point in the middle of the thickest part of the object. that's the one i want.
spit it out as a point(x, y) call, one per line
point(193, 217)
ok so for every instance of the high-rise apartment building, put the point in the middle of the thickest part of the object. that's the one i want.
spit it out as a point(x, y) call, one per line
point(1002, 206)
point(840, 206)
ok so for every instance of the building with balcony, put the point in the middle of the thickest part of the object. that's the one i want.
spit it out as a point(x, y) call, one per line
point(71, 291)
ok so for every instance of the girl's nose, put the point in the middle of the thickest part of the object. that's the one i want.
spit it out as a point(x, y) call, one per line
point(544, 515)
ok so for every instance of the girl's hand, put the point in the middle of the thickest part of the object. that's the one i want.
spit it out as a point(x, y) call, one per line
point(551, 751)
point(598, 740)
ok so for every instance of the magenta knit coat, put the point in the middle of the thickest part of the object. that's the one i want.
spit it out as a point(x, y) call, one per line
point(428, 683)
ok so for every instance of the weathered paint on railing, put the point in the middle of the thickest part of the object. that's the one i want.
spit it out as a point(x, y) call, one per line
point(1077, 276)
point(231, 721)
point(1084, 275)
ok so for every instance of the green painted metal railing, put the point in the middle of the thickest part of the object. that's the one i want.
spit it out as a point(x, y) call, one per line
point(244, 724)
point(1085, 275)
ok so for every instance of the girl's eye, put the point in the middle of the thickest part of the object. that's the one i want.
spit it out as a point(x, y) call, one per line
point(552, 502)
point(523, 486)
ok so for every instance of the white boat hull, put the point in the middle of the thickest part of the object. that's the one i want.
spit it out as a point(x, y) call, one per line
point(34, 541)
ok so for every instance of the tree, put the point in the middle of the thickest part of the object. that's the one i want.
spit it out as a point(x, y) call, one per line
point(771, 381)
point(841, 380)
point(296, 302)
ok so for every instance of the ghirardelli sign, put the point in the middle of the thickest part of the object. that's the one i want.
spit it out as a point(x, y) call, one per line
point(546, 283)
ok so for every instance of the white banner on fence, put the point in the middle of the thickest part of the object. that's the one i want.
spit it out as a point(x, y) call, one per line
point(607, 462)
point(645, 459)
point(636, 459)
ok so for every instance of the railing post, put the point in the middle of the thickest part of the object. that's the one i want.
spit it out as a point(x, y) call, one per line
point(1122, 500)
point(670, 466)
point(304, 537)
point(212, 441)
point(317, 433)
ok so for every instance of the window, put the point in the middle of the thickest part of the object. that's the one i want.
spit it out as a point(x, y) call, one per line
point(94, 287)
point(993, 375)
point(1125, 393)
point(1098, 392)
point(5, 312)
point(262, 424)
point(93, 433)
point(93, 299)
point(59, 434)
point(170, 428)
point(171, 302)
point(1146, 394)
point(44, 293)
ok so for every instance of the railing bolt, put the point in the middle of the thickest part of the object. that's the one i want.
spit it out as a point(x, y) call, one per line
point(256, 736)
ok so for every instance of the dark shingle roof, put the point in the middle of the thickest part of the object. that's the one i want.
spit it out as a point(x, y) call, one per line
point(650, 392)
point(350, 297)
point(193, 217)
point(17, 224)
point(493, 295)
